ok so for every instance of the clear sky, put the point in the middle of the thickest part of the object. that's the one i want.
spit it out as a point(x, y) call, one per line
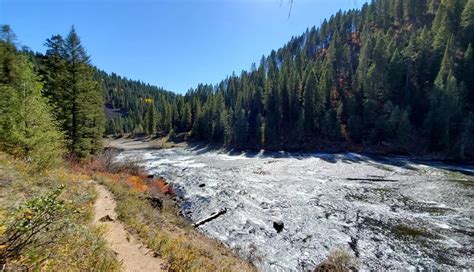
point(175, 44)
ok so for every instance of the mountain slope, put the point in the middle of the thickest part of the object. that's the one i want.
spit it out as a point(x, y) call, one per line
point(393, 76)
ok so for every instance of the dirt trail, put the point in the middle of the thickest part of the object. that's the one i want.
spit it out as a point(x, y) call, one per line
point(134, 255)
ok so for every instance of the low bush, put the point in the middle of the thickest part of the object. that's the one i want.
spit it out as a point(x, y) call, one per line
point(33, 224)
point(338, 260)
point(106, 162)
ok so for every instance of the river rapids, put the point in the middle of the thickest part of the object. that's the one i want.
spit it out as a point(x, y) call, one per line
point(388, 212)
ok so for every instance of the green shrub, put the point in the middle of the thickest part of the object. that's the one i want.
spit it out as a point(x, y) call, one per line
point(32, 223)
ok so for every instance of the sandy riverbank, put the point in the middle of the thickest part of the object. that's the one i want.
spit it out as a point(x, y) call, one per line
point(125, 143)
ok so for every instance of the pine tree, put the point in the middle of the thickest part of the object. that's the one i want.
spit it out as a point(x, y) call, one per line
point(219, 119)
point(404, 129)
point(258, 137)
point(55, 77)
point(465, 143)
point(186, 120)
point(72, 88)
point(467, 21)
point(285, 120)
point(152, 120)
point(447, 21)
point(272, 109)
point(241, 129)
point(27, 128)
point(467, 72)
point(255, 118)
point(447, 64)
point(310, 117)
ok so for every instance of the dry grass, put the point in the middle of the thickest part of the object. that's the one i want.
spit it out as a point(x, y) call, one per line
point(338, 260)
point(78, 246)
point(165, 232)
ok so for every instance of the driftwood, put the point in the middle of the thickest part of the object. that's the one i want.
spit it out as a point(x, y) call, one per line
point(460, 180)
point(372, 179)
point(210, 218)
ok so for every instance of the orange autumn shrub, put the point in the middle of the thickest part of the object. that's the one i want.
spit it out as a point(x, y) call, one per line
point(137, 183)
point(161, 186)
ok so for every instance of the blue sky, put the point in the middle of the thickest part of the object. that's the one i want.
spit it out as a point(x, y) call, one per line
point(175, 44)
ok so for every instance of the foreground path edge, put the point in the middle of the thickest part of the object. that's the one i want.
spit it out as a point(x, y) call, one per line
point(133, 254)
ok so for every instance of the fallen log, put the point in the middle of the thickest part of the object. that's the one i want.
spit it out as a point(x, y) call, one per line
point(210, 218)
point(460, 180)
point(372, 179)
point(376, 176)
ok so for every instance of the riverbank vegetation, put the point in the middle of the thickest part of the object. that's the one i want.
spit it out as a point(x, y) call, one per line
point(45, 220)
point(168, 234)
point(146, 205)
point(46, 210)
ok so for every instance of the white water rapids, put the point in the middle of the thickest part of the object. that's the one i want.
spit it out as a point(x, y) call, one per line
point(391, 213)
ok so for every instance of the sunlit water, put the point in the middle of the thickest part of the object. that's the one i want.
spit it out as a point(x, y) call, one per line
point(421, 218)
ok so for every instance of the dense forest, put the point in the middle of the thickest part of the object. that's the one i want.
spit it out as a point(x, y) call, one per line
point(51, 104)
point(132, 106)
point(394, 75)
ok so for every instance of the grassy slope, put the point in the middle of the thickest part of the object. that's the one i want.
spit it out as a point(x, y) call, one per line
point(167, 233)
point(79, 245)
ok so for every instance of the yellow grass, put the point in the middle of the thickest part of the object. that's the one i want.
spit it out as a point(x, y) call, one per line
point(168, 234)
point(80, 246)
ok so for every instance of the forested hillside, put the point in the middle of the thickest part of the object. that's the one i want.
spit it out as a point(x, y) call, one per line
point(133, 106)
point(394, 75)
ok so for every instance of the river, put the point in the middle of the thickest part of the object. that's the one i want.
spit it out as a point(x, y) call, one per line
point(389, 212)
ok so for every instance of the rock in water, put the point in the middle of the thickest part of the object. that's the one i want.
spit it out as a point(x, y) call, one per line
point(278, 226)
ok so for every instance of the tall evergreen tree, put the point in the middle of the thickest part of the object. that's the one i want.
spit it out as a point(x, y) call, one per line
point(467, 22)
point(72, 87)
point(272, 117)
point(309, 108)
point(151, 120)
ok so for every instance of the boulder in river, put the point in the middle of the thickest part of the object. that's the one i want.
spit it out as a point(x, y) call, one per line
point(278, 225)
